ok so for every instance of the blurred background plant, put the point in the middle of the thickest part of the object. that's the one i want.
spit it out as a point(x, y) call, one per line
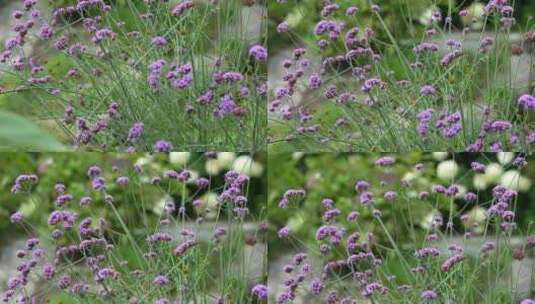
point(332, 175)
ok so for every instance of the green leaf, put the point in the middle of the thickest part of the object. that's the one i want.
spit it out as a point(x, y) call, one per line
point(20, 134)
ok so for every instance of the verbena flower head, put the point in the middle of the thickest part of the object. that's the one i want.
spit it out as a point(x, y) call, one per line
point(260, 291)
point(16, 217)
point(428, 295)
point(385, 161)
point(163, 146)
point(159, 41)
point(258, 52)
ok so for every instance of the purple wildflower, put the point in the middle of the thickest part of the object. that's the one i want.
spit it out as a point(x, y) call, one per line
point(527, 102)
point(159, 41)
point(428, 295)
point(94, 171)
point(470, 197)
point(385, 161)
point(451, 261)
point(352, 10)
point(316, 286)
point(371, 83)
point(46, 32)
point(427, 252)
point(450, 57)
point(258, 52)
point(366, 198)
point(48, 271)
point(390, 196)
point(135, 132)
point(424, 118)
point(122, 180)
point(226, 105)
point(182, 7)
point(427, 90)
point(163, 146)
point(98, 184)
point(182, 248)
point(362, 185)
point(478, 167)
point(284, 233)
point(160, 280)
point(314, 81)
point(291, 195)
point(260, 291)
point(282, 27)
point(449, 125)
point(426, 47)
point(16, 217)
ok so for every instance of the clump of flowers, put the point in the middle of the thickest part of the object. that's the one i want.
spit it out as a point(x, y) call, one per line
point(358, 255)
point(189, 246)
point(131, 76)
point(359, 95)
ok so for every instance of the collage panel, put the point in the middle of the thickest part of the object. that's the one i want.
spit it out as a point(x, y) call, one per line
point(133, 228)
point(419, 75)
point(150, 75)
point(151, 152)
point(401, 228)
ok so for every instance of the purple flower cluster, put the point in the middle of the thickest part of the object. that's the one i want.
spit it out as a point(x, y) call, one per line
point(428, 90)
point(427, 252)
point(183, 247)
point(449, 124)
point(163, 146)
point(62, 216)
point(527, 102)
point(16, 217)
point(159, 41)
point(385, 161)
point(155, 69)
point(450, 262)
point(135, 132)
point(428, 295)
point(180, 75)
point(260, 291)
point(160, 280)
point(24, 182)
point(182, 7)
point(424, 118)
point(291, 195)
point(259, 52)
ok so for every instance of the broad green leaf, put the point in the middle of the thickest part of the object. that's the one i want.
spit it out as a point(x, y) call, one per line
point(20, 134)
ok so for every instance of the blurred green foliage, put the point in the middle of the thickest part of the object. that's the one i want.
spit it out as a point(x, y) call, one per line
point(18, 133)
